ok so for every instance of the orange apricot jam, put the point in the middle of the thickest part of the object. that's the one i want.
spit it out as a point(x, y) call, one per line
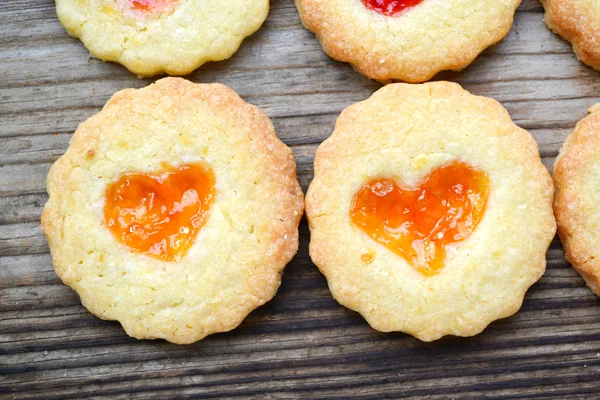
point(151, 5)
point(418, 223)
point(160, 214)
point(390, 8)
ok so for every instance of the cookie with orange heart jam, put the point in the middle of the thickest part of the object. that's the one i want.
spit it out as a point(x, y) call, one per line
point(577, 182)
point(407, 40)
point(174, 210)
point(151, 37)
point(430, 211)
point(577, 21)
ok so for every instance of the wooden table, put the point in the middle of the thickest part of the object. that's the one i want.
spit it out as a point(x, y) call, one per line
point(302, 344)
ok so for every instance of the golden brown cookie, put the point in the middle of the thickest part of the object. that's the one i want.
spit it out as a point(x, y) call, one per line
point(576, 206)
point(387, 41)
point(577, 21)
point(174, 210)
point(151, 37)
point(430, 211)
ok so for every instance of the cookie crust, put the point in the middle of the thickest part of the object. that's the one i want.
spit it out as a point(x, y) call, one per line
point(406, 131)
point(175, 42)
point(434, 36)
point(578, 22)
point(577, 182)
point(236, 261)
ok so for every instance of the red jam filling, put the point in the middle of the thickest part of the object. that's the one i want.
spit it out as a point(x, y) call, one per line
point(160, 214)
point(390, 8)
point(419, 223)
point(151, 5)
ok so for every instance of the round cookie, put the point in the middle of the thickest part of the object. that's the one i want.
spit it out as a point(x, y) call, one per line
point(577, 21)
point(423, 138)
point(157, 150)
point(577, 183)
point(151, 37)
point(409, 44)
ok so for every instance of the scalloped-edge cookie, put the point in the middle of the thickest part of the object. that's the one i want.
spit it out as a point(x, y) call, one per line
point(411, 45)
point(174, 152)
point(496, 203)
point(151, 37)
point(576, 206)
point(578, 22)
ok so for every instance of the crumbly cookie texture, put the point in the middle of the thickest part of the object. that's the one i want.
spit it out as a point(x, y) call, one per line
point(433, 36)
point(577, 182)
point(238, 256)
point(579, 23)
point(405, 131)
point(175, 41)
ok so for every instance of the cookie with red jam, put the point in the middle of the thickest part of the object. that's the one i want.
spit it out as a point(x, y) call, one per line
point(152, 37)
point(407, 40)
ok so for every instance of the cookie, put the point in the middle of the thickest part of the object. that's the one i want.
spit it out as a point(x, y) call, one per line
point(577, 21)
point(577, 182)
point(174, 210)
point(151, 37)
point(409, 41)
point(430, 211)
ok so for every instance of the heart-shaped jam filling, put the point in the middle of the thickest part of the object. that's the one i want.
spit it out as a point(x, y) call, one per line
point(390, 8)
point(160, 214)
point(154, 6)
point(418, 223)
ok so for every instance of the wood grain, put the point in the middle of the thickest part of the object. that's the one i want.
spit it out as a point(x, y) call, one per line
point(302, 344)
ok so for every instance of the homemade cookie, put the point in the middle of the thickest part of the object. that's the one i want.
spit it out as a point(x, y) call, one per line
point(174, 210)
point(576, 205)
point(410, 40)
point(430, 211)
point(150, 37)
point(577, 21)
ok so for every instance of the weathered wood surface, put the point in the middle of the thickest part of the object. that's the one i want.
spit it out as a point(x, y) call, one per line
point(302, 344)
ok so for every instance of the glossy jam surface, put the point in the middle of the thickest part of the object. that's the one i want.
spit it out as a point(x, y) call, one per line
point(151, 5)
point(160, 214)
point(390, 8)
point(418, 223)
